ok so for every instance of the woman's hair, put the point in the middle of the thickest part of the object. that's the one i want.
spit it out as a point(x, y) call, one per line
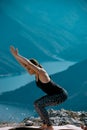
point(35, 62)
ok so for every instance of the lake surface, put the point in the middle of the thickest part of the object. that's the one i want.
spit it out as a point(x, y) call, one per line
point(9, 113)
point(14, 82)
point(16, 113)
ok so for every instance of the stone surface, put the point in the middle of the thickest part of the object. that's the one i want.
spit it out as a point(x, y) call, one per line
point(62, 117)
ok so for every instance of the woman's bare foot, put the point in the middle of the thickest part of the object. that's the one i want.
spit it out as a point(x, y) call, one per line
point(44, 126)
point(84, 127)
point(50, 128)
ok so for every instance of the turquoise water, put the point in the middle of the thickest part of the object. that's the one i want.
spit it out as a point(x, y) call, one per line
point(11, 83)
point(9, 113)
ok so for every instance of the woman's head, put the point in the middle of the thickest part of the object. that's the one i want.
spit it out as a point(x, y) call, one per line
point(35, 62)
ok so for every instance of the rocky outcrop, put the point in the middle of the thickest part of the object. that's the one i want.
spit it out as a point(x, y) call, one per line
point(61, 117)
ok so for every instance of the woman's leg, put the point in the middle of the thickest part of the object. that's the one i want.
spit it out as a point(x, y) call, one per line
point(45, 101)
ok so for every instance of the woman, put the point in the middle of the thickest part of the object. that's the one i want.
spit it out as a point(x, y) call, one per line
point(54, 93)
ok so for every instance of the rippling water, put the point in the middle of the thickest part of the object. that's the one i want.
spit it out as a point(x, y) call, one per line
point(9, 113)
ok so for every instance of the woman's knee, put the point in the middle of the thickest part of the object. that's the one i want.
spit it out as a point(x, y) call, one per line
point(64, 95)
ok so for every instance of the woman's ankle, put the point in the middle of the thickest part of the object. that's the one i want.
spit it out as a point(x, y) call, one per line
point(50, 127)
point(43, 126)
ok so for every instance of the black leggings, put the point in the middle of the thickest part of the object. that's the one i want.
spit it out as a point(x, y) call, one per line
point(48, 100)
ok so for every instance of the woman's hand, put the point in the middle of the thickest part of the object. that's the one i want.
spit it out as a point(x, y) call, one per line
point(22, 60)
point(13, 50)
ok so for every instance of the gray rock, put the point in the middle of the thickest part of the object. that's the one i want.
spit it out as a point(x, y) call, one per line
point(62, 117)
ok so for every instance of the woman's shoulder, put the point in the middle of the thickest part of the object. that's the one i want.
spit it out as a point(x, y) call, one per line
point(42, 70)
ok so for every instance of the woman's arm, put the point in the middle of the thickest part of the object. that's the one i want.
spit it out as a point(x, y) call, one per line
point(23, 61)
